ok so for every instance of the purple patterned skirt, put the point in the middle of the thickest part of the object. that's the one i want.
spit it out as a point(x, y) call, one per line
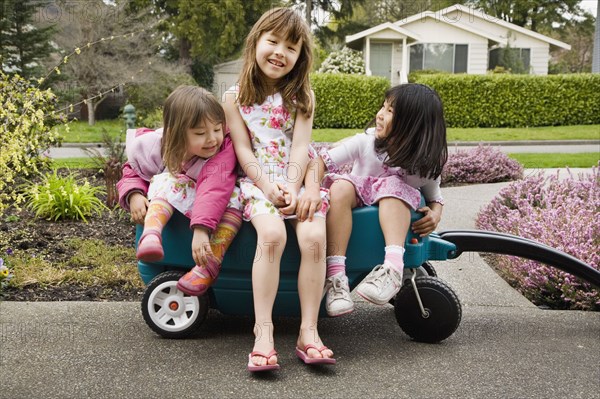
point(369, 189)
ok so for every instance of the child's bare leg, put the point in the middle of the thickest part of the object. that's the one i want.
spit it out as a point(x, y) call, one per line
point(339, 217)
point(384, 282)
point(265, 280)
point(311, 240)
point(394, 219)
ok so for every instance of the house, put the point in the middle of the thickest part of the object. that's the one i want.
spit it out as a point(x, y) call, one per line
point(457, 39)
point(225, 76)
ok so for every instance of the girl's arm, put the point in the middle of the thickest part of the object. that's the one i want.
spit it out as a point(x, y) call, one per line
point(310, 201)
point(245, 155)
point(432, 212)
point(299, 158)
point(132, 191)
point(214, 186)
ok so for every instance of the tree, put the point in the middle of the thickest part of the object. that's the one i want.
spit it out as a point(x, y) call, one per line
point(107, 55)
point(579, 33)
point(24, 44)
point(537, 15)
point(208, 30)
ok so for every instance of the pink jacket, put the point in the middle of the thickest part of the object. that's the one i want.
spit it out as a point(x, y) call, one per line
point(215, 177)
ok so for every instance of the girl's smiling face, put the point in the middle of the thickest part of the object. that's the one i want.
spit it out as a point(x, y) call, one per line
point(276, 56)
point(204, 140)
point(383, 120)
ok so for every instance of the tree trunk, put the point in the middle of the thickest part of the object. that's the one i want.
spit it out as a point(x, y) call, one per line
point(91, 112)
point(308, 12)
point(185, 59)
point(596, 51)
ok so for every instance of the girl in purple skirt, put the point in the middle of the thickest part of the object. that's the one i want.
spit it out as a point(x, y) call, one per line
point(393, 163)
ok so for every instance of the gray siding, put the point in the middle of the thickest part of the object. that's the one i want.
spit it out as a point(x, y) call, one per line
point(478, 58)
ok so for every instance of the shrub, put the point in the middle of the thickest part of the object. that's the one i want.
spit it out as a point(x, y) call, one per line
point(484, 164)
point(344, 61)
point(506, 100)
point(59, 197)
point(110, 163)
point(563, 214)
point(5, 276)
point(26, 132)
point(347, 101)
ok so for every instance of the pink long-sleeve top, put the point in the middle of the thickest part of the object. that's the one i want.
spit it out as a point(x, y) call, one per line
point(215, 177)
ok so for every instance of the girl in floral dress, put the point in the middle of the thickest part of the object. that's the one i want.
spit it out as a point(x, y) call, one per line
point(189, 165)
point(392, 165)
point(270, 115)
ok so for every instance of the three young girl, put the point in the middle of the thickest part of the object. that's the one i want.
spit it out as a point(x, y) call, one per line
point(269, 116)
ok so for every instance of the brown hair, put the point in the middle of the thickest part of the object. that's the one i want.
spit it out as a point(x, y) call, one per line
point(295, 86)
point(185, 108)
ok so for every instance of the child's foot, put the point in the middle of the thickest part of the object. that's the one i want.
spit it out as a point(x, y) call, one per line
point(381, 285)
point(150, 247)
point(263, 354)
point(313, 352)
point(195, 282)
point(338, 301)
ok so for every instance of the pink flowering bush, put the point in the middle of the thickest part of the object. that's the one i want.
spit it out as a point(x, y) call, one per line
point(483, 164)
point(564, 214)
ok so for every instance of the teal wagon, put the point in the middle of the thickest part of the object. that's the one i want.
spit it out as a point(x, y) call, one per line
point(426, 308)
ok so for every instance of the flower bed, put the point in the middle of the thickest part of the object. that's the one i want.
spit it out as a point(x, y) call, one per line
point(561, 213)
point(483, 164)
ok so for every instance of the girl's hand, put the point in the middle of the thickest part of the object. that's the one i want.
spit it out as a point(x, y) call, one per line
point(427, 223)
point(276, 193)
point(291, 200)
point(201, 250)
point(138, 205)
point(308, 204)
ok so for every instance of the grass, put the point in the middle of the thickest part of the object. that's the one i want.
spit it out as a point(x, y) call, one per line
point(579, 132)
point(74, 163)
point(94, 263)
point(81, 132)
point(557, 160)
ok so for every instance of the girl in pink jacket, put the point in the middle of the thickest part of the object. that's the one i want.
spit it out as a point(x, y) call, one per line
point(189, 165)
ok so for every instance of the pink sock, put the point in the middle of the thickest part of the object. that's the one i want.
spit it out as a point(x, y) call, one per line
point(335, 265)
point(394, 255)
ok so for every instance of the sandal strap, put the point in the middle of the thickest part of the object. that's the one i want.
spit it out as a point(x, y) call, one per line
point(262, 354)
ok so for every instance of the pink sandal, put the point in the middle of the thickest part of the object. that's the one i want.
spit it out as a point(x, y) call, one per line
point(150, 252)
point(267, 367)
point(303, 355)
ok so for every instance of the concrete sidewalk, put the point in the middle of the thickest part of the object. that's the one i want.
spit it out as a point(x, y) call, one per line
point(505, 347)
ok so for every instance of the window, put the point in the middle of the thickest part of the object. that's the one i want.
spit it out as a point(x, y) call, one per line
point(440, 56)
point(518, 60)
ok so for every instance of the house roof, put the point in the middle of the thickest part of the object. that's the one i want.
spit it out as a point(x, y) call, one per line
point(379, 28)
point(480, 14)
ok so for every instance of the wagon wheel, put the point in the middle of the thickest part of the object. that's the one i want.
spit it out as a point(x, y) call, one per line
point(442, 310)
point(169, 312)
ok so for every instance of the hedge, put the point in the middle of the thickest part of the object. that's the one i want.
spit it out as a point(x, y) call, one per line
point(346, 101)
point(517, 100)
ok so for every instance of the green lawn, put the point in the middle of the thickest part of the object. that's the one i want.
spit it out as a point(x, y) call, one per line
point(557, 160)
point(81, 132)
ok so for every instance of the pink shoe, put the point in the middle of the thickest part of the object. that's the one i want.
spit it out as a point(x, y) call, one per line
point(253, 367)
point(303, 355)
point(150, 251)
point(198, 280)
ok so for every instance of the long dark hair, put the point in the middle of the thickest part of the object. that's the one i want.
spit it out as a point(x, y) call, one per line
point(417, 139)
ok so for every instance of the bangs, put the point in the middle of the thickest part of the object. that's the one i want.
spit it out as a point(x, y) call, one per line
point(287, 25)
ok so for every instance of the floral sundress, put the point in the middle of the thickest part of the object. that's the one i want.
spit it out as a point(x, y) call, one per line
point(271, 126)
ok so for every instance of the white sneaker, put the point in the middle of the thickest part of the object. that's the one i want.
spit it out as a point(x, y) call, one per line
point(380, 285)
point(337, 291)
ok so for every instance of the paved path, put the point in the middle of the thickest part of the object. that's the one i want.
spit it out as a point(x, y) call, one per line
point(505, 347)
point(71, 150)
